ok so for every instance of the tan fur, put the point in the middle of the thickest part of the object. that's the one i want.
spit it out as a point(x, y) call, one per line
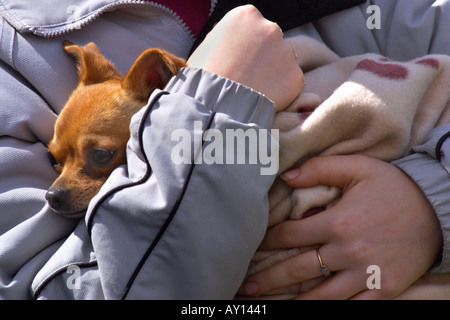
point(94, 124)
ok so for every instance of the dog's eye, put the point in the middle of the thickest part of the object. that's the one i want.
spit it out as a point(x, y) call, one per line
point(56, 165)
point(101, 157)
point(52, 159)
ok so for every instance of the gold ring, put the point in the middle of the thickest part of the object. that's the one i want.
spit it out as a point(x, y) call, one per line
point(326, 272)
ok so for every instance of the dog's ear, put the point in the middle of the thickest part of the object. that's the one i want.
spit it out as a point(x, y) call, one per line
point(92, 66)
point(153, 69)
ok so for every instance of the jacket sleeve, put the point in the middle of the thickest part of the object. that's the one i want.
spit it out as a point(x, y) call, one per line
point(429, 167)
point(184, 217)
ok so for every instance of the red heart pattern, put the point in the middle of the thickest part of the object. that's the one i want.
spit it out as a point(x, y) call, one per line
point(431, 62)
point(385, 70)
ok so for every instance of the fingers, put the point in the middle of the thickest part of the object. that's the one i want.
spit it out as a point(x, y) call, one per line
point(294, 270)
point(298, 269)
point(313, 230)
point(364, 228)
point(339, 171)
point(342, 285)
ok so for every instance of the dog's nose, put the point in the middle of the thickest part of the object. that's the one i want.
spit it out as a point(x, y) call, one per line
point(57, 198)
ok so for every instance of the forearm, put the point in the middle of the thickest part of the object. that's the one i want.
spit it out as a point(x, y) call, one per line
point(185, 230)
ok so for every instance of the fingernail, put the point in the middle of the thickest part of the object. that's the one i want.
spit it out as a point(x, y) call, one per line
point(289, 175)
point(251, 288)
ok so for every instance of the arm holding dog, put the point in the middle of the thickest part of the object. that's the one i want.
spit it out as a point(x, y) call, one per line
point(49, 243)
point(190, 207)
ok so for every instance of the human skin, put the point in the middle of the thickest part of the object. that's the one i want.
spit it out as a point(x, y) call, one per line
point(247, 48)
point(383, 219)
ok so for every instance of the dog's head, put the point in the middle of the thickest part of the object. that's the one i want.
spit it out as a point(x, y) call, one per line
point(92, 130)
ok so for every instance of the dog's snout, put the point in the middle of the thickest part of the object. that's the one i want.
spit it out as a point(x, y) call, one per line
point(57, 198)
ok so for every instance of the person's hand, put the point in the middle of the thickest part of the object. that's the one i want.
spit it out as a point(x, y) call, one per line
point(247, 48)
point(383, 219)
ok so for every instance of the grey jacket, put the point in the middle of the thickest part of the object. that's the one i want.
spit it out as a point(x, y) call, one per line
point(157, 229)
point(429, 167)
point(167, 230)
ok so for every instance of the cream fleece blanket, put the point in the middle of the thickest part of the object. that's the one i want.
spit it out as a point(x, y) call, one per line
point(364, 104)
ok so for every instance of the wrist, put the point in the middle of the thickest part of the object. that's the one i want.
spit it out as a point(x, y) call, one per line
point(224, 95)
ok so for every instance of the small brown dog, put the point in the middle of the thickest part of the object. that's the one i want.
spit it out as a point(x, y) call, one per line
point(92, 130)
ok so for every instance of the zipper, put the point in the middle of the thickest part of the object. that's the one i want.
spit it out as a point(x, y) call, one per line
point(69, 26)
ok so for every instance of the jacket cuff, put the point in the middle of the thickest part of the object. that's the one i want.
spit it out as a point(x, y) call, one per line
point(223, 95)
point(434, 180)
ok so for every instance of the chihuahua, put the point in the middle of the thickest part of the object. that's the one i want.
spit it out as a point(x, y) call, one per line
point(92, 130)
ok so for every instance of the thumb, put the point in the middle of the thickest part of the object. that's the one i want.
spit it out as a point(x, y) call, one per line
point(337, 171)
